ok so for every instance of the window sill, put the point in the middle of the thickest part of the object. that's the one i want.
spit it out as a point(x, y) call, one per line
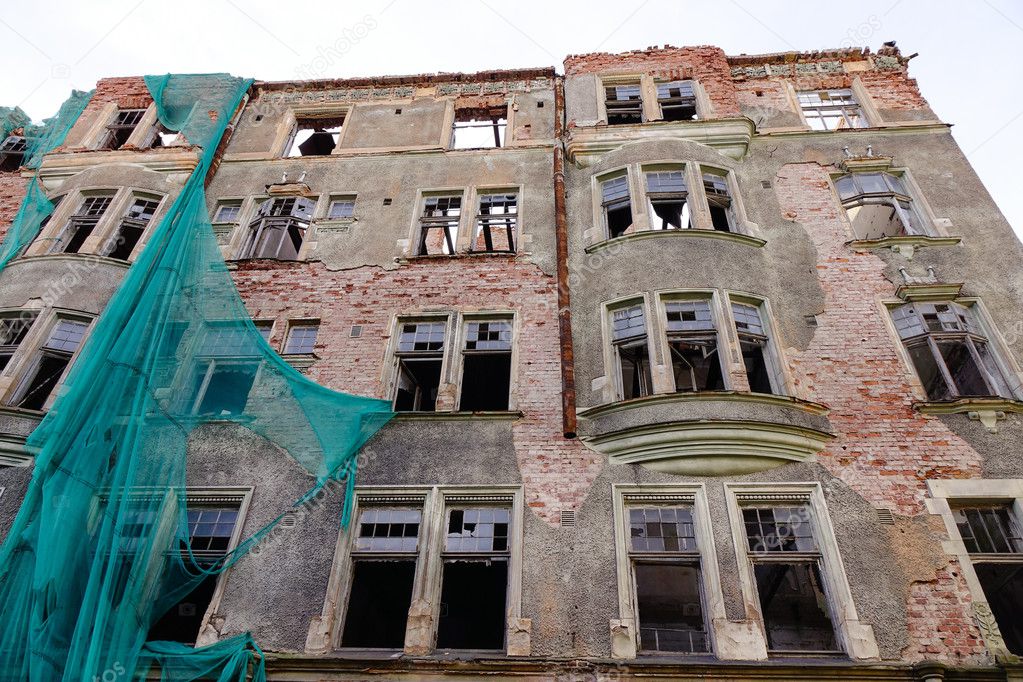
point(300, 360)
point(497, 415)
point(988, 411)
point(714, 433)
point(691, 233)
point(335, 225)
point(90, 257)
point(404, 260)
point(903, 244)
point(21, 413)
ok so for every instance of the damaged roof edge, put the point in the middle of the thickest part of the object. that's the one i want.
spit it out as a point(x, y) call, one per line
point(843, 53)
point(414, 79)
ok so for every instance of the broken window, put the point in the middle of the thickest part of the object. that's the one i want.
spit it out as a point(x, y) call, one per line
point(666, 570)
point(210, 529)
point(438, 224)
point(879, 205)
point(693, 346)
point(616, 205)
point(677, 100)
point(124, 124)
point(993, 540)
point(12, 153)
point(13, 329)
point(479, 128)
point(315, 136)
point(474, 587)
point(226, 366)
point(624, 103)
point(719, 201)
point(49, 364)
point(496, 222)
point(949, 350)
point(382, 575)
point(762, 371)
point(341, 208)
point(486, 366)
point(81, 224)
point(668, 199)
point(629, 342)
point(162, 137)
point(420, 356)
point(831, 110)
point(227, 211)
point(279, 228)
point(131, 228)
point(301, 338)
point(787, 568)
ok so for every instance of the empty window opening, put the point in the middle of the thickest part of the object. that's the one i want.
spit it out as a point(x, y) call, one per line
point(124, 124)
point(474, 585)
point(134, 223)
point(624, 103)
point(668, 200)
point(80, 225)
point(719, 201)
point(762, 371)
point(496, 223)
point(993, 540)
point(12, 153)
point(49, 364)
point(879, 205)
point(162, 137)
point(629, 341)
point(228, 211)
point(693, 346)
point(616, 206)
point(831, 110)
point(479, 128)
point(486, 366)
point(209, 535)
point(787, 570)
point(225, 371)
point(949, 351)
point(13, 329)
point(279, 228)
point(420, 357)
point(677, 100)
point(301, 338)
point(315, 136)
point(438, 224)
point(381, 588)
point(666, 569)
point(341, 208)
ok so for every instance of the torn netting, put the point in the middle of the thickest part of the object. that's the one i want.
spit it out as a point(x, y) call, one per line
point(40, 140)
point(99, 549)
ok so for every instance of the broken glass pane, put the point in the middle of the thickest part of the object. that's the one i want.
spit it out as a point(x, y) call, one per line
point(988, 530)
point(661, 529)
point(966, 373)
point(795, 607)
point(670, 609)
point(778, 529)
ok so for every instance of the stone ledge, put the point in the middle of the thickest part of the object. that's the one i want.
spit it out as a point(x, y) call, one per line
point(503, 415)
point(903, 244)
point(730, 136)
point(988, 411)
point(692, 233)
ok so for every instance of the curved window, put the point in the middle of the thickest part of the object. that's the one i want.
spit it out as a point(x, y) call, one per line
point(279, 228)
point(879, 205)
point(949, 351)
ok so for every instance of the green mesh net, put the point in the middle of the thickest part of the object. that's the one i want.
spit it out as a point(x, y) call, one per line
point(99, 549)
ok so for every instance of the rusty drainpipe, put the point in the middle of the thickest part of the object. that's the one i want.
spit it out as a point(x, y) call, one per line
point(568, 417)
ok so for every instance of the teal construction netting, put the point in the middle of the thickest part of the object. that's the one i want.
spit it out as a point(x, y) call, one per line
point(100, 548)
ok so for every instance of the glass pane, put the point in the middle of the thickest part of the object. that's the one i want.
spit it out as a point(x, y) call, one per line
point(779, 529)
point(988, 530)
point(696, 365)
point(961, 364)
point(929, 372)
point(421, 336)
point(388, 530)
point(483, 529)
point(662, 529)
point(688, 316)
point(628, 323)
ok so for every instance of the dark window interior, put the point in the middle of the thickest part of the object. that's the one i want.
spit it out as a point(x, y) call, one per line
point(670, 610)
point(486, 380)
point(929, 372)
point(635, 363)
point(378, 607)
point(473, 603)
point(1003, 587)
point(133, 224)
point(966, 373)
point(418, 381)
point(677, 100)
point(756, 367)
point(182, 622)
point(794, 607)
point(12, 153)
point(121, 129)
point(696, 365)
point(228, 387)
point(719, 218)
point(624, 104)
point(44, 379)
point(670, 214)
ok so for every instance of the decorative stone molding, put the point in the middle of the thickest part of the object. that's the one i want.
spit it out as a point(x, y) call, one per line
point(866, 164)
point(289, 189)
point(988, 411)
point(989, 628)
point(903, 245)
point(163, 160)
point(623, 638)
point(730, 136)
point(929, 292)
point(733, 237)
point(519, 636)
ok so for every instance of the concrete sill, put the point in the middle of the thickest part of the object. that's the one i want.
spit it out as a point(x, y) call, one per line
point(692, 233)
point(90, 258)
point(405, 260)
point(21, 412)
point(731, 396)
point(988, 411)
point(504, 415)
point(301, 360)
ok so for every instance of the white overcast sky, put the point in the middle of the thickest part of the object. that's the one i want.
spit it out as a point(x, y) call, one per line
point(967, 67)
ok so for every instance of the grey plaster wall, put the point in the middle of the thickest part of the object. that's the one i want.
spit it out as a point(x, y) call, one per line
point(420, 122)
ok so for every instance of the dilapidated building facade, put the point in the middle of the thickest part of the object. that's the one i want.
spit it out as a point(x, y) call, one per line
point(704, 366)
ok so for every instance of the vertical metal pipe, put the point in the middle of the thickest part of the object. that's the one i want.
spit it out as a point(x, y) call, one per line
point(568, 416)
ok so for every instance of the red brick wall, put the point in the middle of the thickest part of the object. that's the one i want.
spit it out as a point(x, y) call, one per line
point(885, 450)
point(127, 93)
point(708, 65)
point(12, 191)
point(556, 473)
